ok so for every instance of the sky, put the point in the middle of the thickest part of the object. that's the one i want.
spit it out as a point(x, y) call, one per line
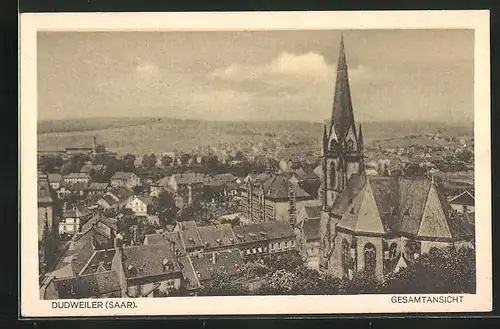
point(395, 75)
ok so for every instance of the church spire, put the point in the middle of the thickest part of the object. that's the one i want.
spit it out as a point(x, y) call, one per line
point(342, 113)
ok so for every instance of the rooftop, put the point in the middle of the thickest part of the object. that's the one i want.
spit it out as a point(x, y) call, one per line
point(208, 265)
point(99, 262)
point(263, 232)
point(149, 260)
point(102, 284)
point(217, 235)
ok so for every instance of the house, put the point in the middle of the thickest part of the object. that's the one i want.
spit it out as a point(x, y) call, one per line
point(159, 186)
point(95, 188)
point(116, 199)
point(74, 178)
point(90, 168)
point(210, 264)
point(98, 278)
point(71, 219)
point(190, 236)
point(55, 180)
point(139, 205)
point(126, 179)
point(217, 237)
point(186, 187)
point(273, 198)
point(308, 234)
point(264, 239)
point(151, 270)
point(463, 202)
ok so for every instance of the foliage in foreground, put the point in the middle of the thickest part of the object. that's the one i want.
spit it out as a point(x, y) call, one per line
point(440, 271)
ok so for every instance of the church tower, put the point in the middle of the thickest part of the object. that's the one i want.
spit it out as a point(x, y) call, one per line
point(342, 146)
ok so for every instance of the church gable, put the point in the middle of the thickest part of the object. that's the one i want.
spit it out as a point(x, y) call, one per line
point(368, 215)
point(434, 223)
point(350, 141)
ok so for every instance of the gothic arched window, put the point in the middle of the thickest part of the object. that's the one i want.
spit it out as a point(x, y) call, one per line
point(370, 254)
point(345, 258)
point(350, 145)
point(332, 175)
point(393, 250)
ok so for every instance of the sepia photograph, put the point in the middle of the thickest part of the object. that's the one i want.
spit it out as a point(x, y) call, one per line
point(257, 163)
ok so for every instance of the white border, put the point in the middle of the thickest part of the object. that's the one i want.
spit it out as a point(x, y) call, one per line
point(32, 306)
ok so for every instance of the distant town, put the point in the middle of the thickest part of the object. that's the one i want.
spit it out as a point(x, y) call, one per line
point(325, 215)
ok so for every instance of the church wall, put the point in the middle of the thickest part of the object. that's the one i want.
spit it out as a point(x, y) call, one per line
point(377, 242)
point(335, 262)
point(464, 244)
point(427, 245)
point(352, 168)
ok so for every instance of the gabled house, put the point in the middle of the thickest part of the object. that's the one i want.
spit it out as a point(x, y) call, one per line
point(463, 202)
point(55, 180)
point(125, 179)
point(71, 219)
point(151, 271)
point(139, 205)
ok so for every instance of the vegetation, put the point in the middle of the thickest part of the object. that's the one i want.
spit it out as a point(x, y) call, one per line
point(439, 271)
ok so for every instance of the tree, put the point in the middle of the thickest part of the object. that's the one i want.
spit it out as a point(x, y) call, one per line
point(167, 208)
point(128, 162)
point(223, 285)
point(185, 157)
point(166, 160)
point(447, 270)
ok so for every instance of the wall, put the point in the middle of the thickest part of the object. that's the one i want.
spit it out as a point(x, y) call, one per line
point(427, 245)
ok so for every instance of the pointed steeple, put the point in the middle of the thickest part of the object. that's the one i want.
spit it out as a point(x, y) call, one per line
point(325, 139)
point(342, 113)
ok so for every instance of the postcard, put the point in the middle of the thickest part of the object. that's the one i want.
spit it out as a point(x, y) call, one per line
point(267, 163)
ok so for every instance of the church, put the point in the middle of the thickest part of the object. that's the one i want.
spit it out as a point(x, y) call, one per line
point(375, 224)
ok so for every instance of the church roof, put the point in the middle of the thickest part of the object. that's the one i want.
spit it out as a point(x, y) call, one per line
point(395, 205)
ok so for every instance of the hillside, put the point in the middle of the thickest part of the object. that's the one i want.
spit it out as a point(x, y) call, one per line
point(141, 135)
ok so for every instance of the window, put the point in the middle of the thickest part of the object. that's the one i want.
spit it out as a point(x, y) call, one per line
point(370, 255)
point(332, 175)
point(286, 244)
point(393, 250)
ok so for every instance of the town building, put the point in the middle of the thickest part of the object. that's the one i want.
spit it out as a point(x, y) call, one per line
point(463, 202)
point(127, 179)
point(186, 188)
point(264, 239)
point(273, 198)
point(71, 219)
point(375, 224)
point(76, 178)
point(55, 180)
point(139, 205)
point(116, 199)
point(151, 270)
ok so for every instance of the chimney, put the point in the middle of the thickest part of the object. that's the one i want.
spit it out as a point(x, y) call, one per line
point(213, 257)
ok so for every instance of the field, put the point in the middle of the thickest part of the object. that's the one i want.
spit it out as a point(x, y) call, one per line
point(146, 135)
